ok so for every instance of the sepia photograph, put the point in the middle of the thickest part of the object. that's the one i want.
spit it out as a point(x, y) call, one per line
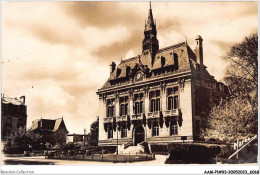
point(126, 83)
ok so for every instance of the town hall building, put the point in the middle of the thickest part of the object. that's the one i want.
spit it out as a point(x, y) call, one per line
point(162, 95)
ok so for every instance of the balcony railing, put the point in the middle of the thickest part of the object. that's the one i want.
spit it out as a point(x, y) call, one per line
point(108, 119)
point(137, 117)
point(152, 115)
point(172, 112)
point(122, 118)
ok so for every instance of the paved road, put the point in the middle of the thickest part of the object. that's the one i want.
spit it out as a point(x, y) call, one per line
point(159, 160)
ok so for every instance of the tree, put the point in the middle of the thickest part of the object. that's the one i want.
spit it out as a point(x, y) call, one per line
point(59, 138)
point(229, 121)
point(237, 116)
point(94, 130)
point(22, 138)
point(242, 71)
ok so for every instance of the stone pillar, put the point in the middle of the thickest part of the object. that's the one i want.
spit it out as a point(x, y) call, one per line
point(117, 107)
point(102, 115)
point(131, 108)
point(186, 109)
point(146, 103)
point(163, 101)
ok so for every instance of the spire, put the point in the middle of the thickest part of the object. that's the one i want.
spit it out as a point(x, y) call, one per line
point(150, 22)
point(150, 42)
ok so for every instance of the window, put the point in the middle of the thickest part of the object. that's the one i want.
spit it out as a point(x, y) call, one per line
point(110, 107)
point(173, 98)
point(155, 131)
point(155, 101)
point(123, 101)
point(124, 132)
point(110, 133)
point(138, 104)
point(174, 128)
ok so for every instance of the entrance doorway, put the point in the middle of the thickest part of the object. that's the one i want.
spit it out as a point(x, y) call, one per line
point(139, 135)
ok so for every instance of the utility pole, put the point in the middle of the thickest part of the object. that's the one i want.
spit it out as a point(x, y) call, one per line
point(117, 140)
point(84, 137)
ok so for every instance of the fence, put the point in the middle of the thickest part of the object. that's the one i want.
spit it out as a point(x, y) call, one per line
point(100, 157)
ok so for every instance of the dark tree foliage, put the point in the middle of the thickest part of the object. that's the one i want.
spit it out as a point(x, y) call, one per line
point(94, 130)
point(22, 138)
point(236, 117)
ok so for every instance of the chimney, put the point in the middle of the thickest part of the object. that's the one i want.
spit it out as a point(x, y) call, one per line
point(22, 98)
point(112, 67)
point(199, 51)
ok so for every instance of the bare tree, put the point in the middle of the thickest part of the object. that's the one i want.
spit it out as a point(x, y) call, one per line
point(237, 116)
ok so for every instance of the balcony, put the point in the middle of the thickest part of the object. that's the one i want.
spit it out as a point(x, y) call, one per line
point(152, 115)
point(172, 112)
point(137, 117)
point(108, 119)
point(122, 118)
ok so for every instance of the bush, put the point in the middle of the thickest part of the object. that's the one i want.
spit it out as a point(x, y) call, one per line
point(192, 152)
point(69, 146)
point(159, 149)
point(109, 149)
point(13, 150)
point(226, 151)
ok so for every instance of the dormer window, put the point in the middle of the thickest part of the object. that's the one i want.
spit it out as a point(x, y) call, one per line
point(163, 61)
point(127, 70)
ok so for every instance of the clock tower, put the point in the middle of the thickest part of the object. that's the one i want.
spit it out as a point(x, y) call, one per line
point(150, 42)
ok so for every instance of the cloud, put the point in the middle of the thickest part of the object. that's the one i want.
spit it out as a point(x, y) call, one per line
point(101, 14)
point(118, 49)
point(55, 35)
point(225, 46)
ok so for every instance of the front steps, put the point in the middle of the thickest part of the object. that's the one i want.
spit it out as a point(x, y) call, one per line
point(139, 149)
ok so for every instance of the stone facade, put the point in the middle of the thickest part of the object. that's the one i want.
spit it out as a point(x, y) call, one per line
point(160, 96)
point(13, 115)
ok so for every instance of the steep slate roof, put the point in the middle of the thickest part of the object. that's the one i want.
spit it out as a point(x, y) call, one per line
point(47, 124)
point(185, 58)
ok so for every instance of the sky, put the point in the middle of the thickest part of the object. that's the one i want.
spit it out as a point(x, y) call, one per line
point(58, 54)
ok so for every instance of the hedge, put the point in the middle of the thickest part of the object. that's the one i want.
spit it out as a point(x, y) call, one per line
point(109, 149)
point(192, 152)
point(13, 150)
point(159, 149)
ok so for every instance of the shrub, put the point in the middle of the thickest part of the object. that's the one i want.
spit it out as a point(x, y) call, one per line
point(159, 149)
point(13, 150)
point(193, 152)
point(69, 146)
point(226, 151)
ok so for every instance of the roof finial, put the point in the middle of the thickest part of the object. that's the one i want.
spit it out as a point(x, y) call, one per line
point(150, 5)
point(186, 42)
